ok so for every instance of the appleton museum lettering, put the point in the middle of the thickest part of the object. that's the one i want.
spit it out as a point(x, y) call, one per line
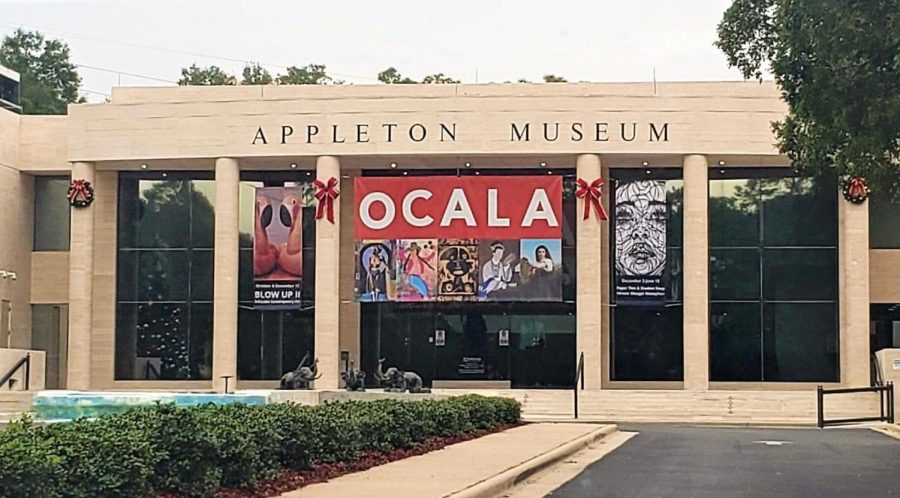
point(599, 131)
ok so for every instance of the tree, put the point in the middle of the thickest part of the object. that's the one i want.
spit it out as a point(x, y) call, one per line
point(439, 79)
point(552, 78)
point(211, 75)
point(49, 80)
point(312, 74)
point(254, 74)
point(391, 76)
point(837, 63)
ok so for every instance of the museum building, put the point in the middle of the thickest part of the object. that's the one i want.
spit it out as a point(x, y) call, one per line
point(478, 235)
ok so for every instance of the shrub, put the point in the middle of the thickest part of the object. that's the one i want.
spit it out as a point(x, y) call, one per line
point(28, 466)
point(194, 451)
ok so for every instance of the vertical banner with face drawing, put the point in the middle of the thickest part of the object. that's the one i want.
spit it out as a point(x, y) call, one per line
point(278, 248)
point(640, 242)
point(458, 238)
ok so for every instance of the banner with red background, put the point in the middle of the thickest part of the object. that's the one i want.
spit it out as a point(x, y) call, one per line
point(441, 238)
point(499, 207)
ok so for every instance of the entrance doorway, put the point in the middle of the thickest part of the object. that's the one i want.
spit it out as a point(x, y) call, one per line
point(50, 333)
point(518, 345)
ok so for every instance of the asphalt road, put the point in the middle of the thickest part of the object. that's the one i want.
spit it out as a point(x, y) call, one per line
point(683, 462)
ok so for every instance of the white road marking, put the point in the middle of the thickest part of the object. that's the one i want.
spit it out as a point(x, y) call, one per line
point(773, 443)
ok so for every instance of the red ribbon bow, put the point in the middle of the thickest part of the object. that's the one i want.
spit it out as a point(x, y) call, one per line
point(857, 187)
point(326, 194)
point(591, 195)
point(78, 189)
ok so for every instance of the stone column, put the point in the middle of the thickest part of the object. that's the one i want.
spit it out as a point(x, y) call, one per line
point(225, 275)
point(696, 273)
point(328, 265)
point(853, 277)
point(589, 316)
point(81, 274)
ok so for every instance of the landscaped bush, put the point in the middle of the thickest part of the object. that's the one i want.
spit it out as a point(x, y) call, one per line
point(194, 451)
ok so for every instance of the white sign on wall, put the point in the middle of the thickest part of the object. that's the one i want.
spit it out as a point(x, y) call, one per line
point(897, 364)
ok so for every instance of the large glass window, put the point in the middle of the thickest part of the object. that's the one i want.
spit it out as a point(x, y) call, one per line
point(884, 222)
point(524, 344)
point(166, 228)
point(271, 343)
point(647, 341)
point(51, 213)
point(773, 277)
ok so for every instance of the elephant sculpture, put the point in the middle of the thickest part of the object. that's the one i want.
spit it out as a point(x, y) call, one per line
point(399, 381)
point(354, 380)
point(300, 377)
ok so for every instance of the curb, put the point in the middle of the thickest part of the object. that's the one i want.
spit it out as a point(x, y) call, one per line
point(493, 486)
point(890, 430)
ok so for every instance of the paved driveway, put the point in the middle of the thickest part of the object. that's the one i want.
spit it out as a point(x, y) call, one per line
point(681, 462)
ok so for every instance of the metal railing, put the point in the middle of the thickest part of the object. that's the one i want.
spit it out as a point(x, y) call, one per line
point(579, 377)
point(24, 362)
point(877, 374)
point(885, 396)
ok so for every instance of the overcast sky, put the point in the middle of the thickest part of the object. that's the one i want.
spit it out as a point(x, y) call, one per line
point(470, 40)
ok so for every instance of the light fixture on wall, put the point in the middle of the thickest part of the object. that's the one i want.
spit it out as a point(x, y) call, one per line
point(293, 165)
point(144, 166)
point(645, 163)
point(468, 164)
point(543, 164)
point(721, 163)
point(8, 274)
point(393, 165)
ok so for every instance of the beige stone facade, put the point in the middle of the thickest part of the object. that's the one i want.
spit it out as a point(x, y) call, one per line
point(338, 131)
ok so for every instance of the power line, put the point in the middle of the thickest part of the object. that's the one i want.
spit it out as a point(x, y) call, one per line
point(160, 49)
point(115, 71)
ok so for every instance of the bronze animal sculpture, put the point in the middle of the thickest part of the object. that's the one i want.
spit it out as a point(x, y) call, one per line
point(300, 377)
point(354, 380)
point(399, 381)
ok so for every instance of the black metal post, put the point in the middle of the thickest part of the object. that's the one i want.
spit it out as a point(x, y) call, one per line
point(27, 370)
point(819, 400)
point(891, 413)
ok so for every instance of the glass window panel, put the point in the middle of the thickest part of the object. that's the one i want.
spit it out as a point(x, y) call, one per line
point(801, 342)
point(201, 275)
point(153, 275)
point(799, 212)
point(734, 212)
point(884, 222)
point(203, 220)
point(153, 342)
point(675, 212)
point(199, 346)
point(164, 214)
point(735, 342)
point(800, 274)
point(245, 273)
point(250, 358)
point(675, 272)
point(647, 343)
point(51, 213)
point(734, 274)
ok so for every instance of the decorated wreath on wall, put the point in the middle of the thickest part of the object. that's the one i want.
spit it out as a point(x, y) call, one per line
point(80, 194)
point(856, 190)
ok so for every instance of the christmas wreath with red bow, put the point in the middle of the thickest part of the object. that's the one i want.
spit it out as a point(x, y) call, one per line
point(856, 190)
point(80, 194)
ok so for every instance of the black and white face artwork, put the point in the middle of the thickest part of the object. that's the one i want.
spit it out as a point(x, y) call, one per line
point(641, 228)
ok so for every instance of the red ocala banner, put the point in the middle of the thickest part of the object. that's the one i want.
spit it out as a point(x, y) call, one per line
point(468, 207)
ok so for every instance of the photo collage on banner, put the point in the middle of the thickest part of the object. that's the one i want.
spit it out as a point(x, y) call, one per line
point(483, 263)
point(640, 242)
point(278, 248)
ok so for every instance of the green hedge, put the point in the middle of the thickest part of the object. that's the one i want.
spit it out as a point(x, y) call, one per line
point(196, 450)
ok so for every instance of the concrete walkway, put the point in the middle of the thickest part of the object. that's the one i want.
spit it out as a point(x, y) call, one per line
point(456, 469)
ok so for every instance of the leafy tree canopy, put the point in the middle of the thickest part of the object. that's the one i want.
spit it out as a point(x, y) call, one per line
point(254, 74)
point(211, 75)
point(391, 76)
point(49, 80)
point(837, 63)
point(552, 78)
point(312, 74)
